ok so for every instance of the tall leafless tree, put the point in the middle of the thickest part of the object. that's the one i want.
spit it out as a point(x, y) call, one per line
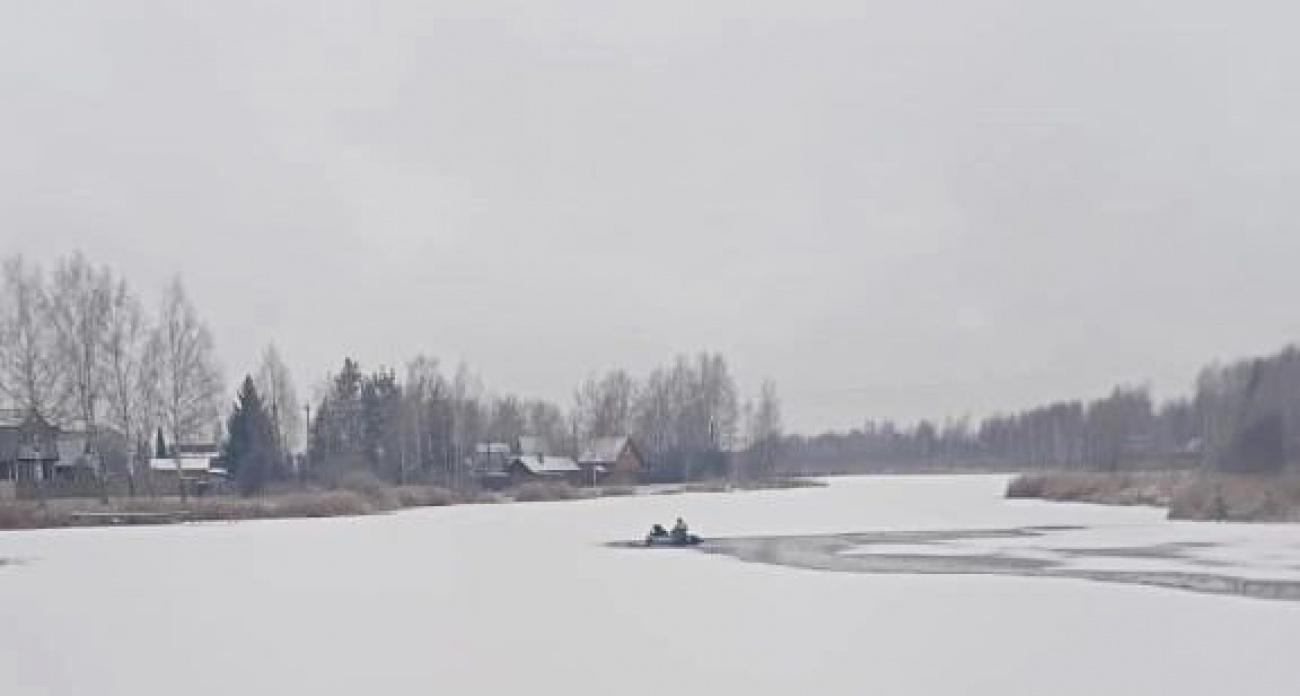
point(604, 407)
point(29, 373)
point(189, 382)
point(80, 297)
point(469, 419)
point(129, 376)
point(427, 418)
point(275, 386)
point(764, 429)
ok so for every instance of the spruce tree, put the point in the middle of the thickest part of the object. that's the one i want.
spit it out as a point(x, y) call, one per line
point(251, 454)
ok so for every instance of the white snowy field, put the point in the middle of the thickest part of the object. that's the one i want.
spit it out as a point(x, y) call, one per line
point(515, 599)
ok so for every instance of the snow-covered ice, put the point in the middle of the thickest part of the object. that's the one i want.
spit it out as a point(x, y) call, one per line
point(517, 599)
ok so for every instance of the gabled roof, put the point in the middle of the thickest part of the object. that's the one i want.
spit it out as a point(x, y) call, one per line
point(605, 450)
point(542, 464)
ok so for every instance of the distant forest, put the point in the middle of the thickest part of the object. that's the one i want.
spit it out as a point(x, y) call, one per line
point(1243, 417)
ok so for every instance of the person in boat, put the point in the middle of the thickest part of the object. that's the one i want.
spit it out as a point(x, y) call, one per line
point(680, 530)
point(658, 531)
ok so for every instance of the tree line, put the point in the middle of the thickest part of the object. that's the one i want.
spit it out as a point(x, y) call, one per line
point(79, 347)
point(424, 424)
point(1242, 417)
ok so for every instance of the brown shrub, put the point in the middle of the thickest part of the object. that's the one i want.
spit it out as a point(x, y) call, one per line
point(482, 497)
point(707, 487)
point(780, 483)
point(25, 515)
point(424, 496)
point(615, 491)
point(1237, 498)
point(302, 504)
point(546, 491)
point(363, 483)
point(1145, 488)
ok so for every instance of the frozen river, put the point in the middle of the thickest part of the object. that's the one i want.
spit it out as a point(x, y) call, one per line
point(515, 599)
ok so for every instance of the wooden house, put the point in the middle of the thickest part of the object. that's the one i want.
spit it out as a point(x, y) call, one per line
point(611, 461)
point(29, 446)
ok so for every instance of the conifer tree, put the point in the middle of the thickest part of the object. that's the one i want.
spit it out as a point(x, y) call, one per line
point(252, 454)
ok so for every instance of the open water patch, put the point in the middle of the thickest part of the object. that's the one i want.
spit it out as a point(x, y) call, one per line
point(939, 553)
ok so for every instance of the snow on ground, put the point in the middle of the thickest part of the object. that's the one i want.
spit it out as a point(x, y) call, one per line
point(517, 599)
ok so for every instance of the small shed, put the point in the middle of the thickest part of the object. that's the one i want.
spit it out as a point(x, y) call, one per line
point(187, 465)
point(199, 468)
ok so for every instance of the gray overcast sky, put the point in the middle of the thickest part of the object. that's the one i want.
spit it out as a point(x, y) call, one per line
point(890, 208)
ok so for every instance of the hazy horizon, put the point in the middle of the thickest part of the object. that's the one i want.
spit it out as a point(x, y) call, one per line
point(891, 210)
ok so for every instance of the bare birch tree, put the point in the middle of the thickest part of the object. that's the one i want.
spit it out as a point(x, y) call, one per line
point(428, 418)
point(468, 418)
point(79, 298)
point(764, 429)
point(189, 382)
point(29, 375)
point(275, 386)
point(605, 407)
point(128, 374)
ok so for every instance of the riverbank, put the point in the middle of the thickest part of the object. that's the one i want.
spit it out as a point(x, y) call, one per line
point(368, 497)
point(170, 509)
point(1186, 495)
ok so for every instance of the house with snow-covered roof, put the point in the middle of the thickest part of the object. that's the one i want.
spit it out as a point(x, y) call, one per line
point(525, 468)
point(190, 462)
point(611, 460)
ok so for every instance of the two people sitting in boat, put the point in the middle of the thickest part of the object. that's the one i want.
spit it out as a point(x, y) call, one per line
point(680, 532)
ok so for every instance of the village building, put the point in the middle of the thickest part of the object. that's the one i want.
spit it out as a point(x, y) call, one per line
point(39, 459)
point(197, 466)
point(526, 458)
point(29, 447)
point(611, 461)
point(604, 461)
point(543, 467)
